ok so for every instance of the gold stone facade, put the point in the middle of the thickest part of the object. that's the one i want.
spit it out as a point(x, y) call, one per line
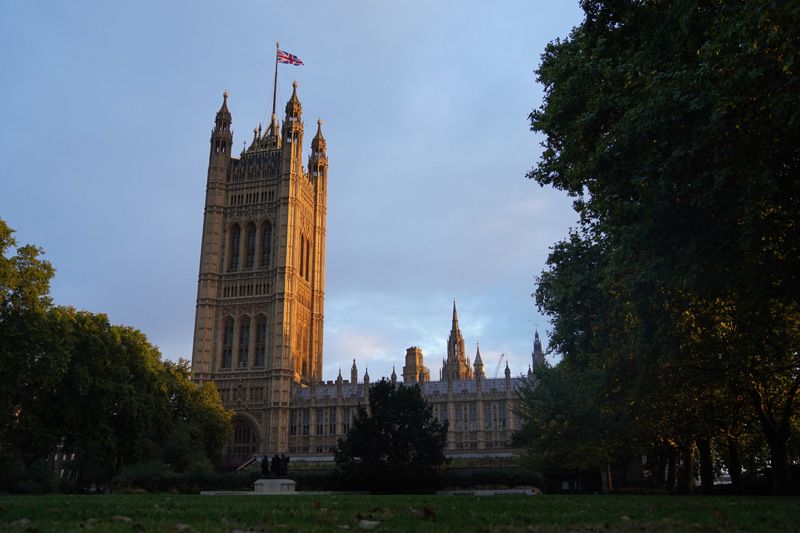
point(260, 297)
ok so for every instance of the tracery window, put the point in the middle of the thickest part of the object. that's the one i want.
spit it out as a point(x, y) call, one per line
point(332, 422)
point(250, 256)
point(266, 238)
point(236, 236)
point(261, 340)
point(308, 254)
point(244, 342)
point(243, 440)
point(227, 343)
point(347, 418)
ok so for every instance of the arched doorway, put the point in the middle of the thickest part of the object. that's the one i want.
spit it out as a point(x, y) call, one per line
point(242, 444)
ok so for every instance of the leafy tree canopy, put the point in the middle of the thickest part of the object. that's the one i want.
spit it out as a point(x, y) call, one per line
point(674, 126)
point(73, 382)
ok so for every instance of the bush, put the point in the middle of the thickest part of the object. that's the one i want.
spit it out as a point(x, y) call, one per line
point(154, 477)
point(38, 478)
point(476, 478)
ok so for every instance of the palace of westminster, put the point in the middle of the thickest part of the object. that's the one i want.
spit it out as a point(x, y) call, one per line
point(260, 296)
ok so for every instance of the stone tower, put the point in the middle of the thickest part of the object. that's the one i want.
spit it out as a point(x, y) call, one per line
point(414, 370)
point(456, 367)
point(260, 295)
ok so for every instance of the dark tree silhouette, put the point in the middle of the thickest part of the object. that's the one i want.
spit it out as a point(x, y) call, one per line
point(396, 445)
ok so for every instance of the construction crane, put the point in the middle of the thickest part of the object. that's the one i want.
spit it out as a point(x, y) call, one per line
point(499, 363)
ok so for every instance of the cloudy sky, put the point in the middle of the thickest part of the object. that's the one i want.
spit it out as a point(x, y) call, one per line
point(107, 112)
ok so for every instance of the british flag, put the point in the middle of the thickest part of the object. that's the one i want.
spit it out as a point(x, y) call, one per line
point(286, 57)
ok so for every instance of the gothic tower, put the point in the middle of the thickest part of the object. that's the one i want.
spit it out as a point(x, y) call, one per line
point(456, 367)
point(538, 354)
point(260, 295)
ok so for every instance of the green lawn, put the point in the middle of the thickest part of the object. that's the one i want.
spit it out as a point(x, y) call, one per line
point(164, 512)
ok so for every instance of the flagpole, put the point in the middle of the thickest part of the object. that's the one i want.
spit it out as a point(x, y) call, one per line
point(275, 78)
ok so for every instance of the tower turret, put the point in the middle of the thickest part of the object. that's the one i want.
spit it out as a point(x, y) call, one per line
point(354, 373)
point(415, 366)
point(211, 244)
point(221, 135)
point(479, 375)
point(318, 160)
point(293, 127)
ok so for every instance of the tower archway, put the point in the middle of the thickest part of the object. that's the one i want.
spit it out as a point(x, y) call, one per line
point(243, 442)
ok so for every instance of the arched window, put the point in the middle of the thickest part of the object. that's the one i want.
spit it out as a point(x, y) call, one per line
point(250, 256)
point(236, 236)
point(242, 444)
point(244, 342)
point(308, 255)
point(261, 340)
point(266, 243)
point(302, 255)
point(227, 343)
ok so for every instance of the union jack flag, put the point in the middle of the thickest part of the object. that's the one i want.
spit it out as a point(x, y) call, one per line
point(286, 57)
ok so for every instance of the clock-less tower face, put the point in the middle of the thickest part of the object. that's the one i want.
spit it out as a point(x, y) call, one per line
point(258, 327)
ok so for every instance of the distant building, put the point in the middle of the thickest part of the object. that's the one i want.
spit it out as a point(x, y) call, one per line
point(260, 296)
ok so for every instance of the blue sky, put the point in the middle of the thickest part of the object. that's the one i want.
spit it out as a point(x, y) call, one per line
point(108, 108)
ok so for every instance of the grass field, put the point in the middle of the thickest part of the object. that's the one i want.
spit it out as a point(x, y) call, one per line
point(164, 512)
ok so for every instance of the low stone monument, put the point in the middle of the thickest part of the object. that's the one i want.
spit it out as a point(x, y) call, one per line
point(270, 485)
point(277, 482)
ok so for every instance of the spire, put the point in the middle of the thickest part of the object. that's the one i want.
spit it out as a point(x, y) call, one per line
point(339, 377)
point(273, 125)
point(292, 134)
point(223, 110)
point(318, 160)
point(318, 140)
point(508, 371)
point(458, 368)
point(222, 123)
point(354, 373)
point(478, 365)
point(221, 135)
point(538, 353)
point(366, 375)
point(393, 376)
point(293, 106)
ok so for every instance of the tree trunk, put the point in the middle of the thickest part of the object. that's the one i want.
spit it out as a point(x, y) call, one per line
point(735, 465)
point(706, 465)
point(606, 480)
point(776, 432)
point(779, 461)
point(661, 469)
point(672, 468)
point(687, 479)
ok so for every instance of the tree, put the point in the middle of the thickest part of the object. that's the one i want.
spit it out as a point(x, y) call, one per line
point(673, 125)
point(199, 424)
point(396, 445)
point(71, 381)
point(33, 356)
